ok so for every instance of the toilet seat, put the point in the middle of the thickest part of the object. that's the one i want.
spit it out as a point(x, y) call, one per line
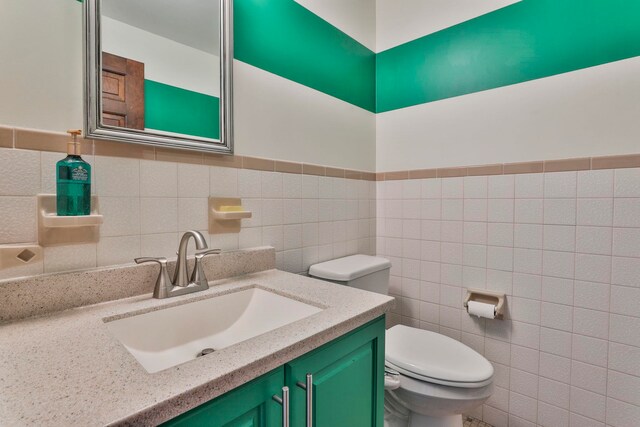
point(436, 358)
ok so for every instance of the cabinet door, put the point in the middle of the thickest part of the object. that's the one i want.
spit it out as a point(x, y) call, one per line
point(250, 405)
point(348, 380)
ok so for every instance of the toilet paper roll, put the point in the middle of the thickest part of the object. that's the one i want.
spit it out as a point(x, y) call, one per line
point(481, 309)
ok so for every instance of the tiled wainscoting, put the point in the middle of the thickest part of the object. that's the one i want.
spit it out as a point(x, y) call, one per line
point(147, 204)
point(565, 248)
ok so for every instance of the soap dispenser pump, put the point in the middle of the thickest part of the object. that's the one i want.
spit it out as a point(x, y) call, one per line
point(73, 181)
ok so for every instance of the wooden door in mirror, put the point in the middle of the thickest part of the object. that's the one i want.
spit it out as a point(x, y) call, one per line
point(122, 92)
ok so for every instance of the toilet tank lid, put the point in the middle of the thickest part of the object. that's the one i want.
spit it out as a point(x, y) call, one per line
point(349, 268)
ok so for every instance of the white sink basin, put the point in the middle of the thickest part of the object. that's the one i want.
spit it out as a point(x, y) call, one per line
point(168, 337)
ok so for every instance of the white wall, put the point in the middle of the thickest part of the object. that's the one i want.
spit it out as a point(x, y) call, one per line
point(165, 60)
point(41, 87)
point(398, 22)
point(590, 112)
point(357, 18)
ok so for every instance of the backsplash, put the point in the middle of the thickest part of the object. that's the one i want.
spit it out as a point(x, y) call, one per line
point(565, 248)
point(147, 204)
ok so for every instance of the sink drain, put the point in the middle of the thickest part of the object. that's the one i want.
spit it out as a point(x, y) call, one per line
point(205, 351)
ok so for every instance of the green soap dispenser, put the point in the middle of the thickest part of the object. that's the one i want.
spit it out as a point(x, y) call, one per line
point(73, 181)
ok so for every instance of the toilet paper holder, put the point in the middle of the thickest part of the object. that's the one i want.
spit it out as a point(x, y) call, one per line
point(487, 297)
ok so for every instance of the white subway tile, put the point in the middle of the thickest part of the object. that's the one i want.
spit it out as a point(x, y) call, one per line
point(527, 285)
point(589, 377)
point(158, 215)
point(589, 404)
point(293, 261)
point(529, 211)
point(595, 183)
point(528, 236)
point(159, 245)
point(625, 271)
point(475, 255)
point(249, 183)
point(625, 300)
point(591, 295)
point(193, 180)
point(557, 290)
point(70, 257)
point(310, 187)
point(117, 177)
point(524, 383)
point(626, 212)
point(431, 188)
point(475, 233)
point(451, 253)
point(193, 214)
point(627, 182)
point(452, 210)
point(560, 238)
point(529, 186)
point(595, 212)
point(576, 420)
point(117, 250)
point(500, 281)
point(589, 350)
point(500, 258)
point(452, 231)
point(475, 210)
point(560, 211)
point(625, 329)
point(526, 335)
point(526, 359)
point(527, 261)
point(452, 188)
point(21, 172)
point(560, 184)
point(557, 368)
point(158, 179)
point(411, 189)
point(497, 351)
point(554, 392)
point(555, 342)
point(591, 323)
point(624, 358)
point(223, 182)
point(558, 264)
point(501, 187)
point(501, 210)
point(594, 268)
point(626, 242)
point(475, 187)
point(272, 187)
point(552, 416)
point(556, 316)
point(594, 240)
point(499, 234)
point(431, 209)
point(523, 407)
point(621, 414)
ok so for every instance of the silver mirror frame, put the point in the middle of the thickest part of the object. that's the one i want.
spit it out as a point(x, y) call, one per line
point(93, 126)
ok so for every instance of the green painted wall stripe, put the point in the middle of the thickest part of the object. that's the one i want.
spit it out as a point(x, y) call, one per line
point(284, 38)
point(173, 109)
point(525, 41)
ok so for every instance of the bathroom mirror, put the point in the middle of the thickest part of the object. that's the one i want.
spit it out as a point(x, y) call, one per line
point(160, 72)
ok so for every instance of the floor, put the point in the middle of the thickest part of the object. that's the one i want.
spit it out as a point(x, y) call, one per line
point(472, 422)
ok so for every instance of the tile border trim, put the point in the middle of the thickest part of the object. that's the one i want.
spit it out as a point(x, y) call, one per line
point(556, 165)
point(38, 140)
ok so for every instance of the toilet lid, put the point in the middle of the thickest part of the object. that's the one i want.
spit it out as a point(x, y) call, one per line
point(430, 356)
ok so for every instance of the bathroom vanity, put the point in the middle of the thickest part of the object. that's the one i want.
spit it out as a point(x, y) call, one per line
point(63, 365)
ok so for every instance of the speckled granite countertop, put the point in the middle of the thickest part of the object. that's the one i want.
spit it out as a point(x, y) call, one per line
point(66, 369)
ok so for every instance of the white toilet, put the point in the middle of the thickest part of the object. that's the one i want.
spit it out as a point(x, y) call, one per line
point(431, 379)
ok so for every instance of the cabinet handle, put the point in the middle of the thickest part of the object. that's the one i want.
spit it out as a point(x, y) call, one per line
point(284, 401)
point(309, 388)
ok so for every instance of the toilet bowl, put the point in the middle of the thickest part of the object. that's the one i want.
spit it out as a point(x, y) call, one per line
point(430, 379)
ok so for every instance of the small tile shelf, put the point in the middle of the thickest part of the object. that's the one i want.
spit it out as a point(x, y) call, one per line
point(56, 230)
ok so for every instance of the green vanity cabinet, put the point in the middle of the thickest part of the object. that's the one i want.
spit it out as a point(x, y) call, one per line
point(347, 378)
point(348, 381)
point(250, 405)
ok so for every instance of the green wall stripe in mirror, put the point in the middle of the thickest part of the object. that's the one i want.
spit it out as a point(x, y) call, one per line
point(172, 109)
point(528, 40)
point(286, 39)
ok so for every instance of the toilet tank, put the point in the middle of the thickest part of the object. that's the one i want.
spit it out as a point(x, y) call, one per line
point(358, 271)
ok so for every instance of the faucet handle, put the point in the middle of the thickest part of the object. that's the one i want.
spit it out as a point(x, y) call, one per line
point(200, 255)
point(163, 283)
point(198, 277)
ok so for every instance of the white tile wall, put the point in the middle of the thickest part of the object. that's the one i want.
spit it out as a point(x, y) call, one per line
point(565, 247)
point(148, 204)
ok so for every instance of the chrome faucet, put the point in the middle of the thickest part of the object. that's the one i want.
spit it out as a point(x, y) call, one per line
point(181, 283)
